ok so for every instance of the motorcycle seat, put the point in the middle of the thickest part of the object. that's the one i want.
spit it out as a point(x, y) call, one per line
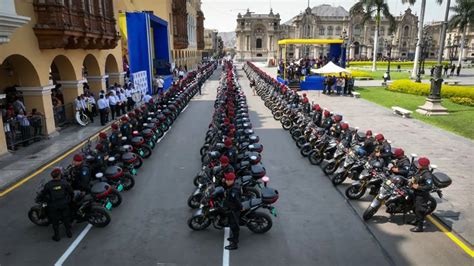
point(246, 205)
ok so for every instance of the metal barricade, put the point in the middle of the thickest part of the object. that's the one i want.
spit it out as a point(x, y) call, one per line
point(16, 134)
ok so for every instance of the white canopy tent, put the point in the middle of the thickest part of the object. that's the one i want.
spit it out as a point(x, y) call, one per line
point(330, 68)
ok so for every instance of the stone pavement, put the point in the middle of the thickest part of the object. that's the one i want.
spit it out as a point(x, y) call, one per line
point(451, 153)
point(25, 160)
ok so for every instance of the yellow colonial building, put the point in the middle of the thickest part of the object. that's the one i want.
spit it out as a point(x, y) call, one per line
point(45, 44)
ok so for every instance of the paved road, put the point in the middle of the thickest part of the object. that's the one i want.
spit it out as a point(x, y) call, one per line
point(315, 226)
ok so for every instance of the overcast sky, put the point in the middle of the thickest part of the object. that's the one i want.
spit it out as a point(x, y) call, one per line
point(222, 14)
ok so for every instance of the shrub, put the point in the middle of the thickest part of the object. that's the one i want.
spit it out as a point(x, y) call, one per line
point(393, 63)
point(462, 100)
point(461, 94)
point(358, 74)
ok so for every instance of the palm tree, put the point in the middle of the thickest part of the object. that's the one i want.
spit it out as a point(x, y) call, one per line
point(464, 16)
point(420, 33)
point(374, 9)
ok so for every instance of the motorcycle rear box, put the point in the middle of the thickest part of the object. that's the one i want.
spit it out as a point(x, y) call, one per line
point(258, 171)
point(441, 180)
point(128, 157)
point(269, 195)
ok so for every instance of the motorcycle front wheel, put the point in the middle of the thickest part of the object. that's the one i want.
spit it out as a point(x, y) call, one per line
point(194, 201)
point(337, 179)
point(98, 216)
point(146, 151)
point(314, 158)
point(199, 223)
point(355, 192)
point(37, 215)
point(115, 198)
point(369, 213)
point(128, 181)
point(260, 223)
point(330, 168)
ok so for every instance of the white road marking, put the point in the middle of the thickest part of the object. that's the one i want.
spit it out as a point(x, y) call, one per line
point(185, 108)
point(73, 245)
point(225, 255)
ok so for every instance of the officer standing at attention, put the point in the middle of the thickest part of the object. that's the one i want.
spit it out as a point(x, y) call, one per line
point(57, 193)
point(233, 203)
point(421, 184)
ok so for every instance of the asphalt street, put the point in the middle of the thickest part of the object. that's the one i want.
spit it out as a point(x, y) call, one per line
point(316, 225)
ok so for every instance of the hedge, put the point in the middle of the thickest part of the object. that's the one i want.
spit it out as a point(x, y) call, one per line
point(393, 63)
point(458, 94)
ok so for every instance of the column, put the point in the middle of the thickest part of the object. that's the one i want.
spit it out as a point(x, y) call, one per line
point(351, 51)
point(71, 89)
point(116, 78)
point(3, 140)
point(9, 20)
point(97, 83)
point(40, 98)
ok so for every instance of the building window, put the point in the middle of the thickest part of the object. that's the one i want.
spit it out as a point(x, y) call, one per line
point(357, 30)
point(406, 31)
point(338, 30)
point(330, 30)
point(259, 43)
point(321, 30)
point(259, 55)
point(404, 44)
point(382, 31)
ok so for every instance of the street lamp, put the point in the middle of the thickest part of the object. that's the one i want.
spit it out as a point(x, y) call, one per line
point(389, 46)
point(344, 45)
point(424, 44)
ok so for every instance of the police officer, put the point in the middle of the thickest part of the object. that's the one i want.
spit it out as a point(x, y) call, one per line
point(306, 105)
point(318, 115)
point(80, 174)
point(58, 194)
point(114, 138)
point(103, 139)
point(421, 184)
point(230, 152)
point(233, 204)
point(126, 128)
point(327, 121)
point(401, 163)
point(383, 149)
point(345, 135)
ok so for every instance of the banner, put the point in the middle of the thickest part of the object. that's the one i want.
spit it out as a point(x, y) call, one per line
point(140, 81)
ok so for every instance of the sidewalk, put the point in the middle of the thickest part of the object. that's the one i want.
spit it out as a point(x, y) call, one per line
point(16, 166)
point(451, 153)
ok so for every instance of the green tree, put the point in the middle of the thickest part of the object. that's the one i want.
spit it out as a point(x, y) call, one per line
point(374, 10)
point(463, 17)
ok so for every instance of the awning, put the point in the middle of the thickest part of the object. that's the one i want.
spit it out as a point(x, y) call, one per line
point(330, 68)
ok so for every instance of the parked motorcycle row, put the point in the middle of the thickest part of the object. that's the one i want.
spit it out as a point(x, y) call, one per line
point(115, 160)
point(231, 146)
point(347, 153)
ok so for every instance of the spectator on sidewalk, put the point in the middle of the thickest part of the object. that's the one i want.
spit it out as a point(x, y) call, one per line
point(36, 123)
point(160, 84)
point(458, 70)
point(446, 70)
point(128, 94)
point(147, 98)
point(19, 106)
point(453, 67)
point(340, 85)
point(123, 101)
point(112, 104)
point(24, 127)
point(103, 110)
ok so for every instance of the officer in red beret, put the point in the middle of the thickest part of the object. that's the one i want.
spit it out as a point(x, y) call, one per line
point(233, 204)
point(317, 115)
point(58, 194)
point(104, 140)
point(421, 183)
point(81, 174)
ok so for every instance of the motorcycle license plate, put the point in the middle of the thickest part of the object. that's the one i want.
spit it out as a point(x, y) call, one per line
point(108, 205)
point(133, 171)
point(141, 152)
point(154, 137)
point(150, 143)
point(274, 211)
point(120, 187)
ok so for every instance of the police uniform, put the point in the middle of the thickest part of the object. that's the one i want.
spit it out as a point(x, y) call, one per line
point(58, 194)
point(81, 178)
point(234, 205)
point(425, 183)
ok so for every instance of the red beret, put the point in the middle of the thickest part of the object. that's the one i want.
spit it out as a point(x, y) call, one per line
point(102, 135)
point(224, 160)
point(229, 176)
point(379, 137)
point(78, 158)
point(99, 147)
point(228, 142)
point(424, 162)
point(114, 126)
point(56, 172)
point(124, 118)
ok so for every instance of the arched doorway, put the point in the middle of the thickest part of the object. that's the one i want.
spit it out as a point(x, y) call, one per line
point(64, 78)
point(112, 70)
point(20, 82)
point(91, 72)
point(356, 49)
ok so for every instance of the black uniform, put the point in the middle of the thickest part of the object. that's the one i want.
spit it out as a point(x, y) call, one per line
point(403, 165)
point(425, 183)
point(81, 177)
point(317, 118)
point(58, 194)
point(233, 204)
point(385, 150)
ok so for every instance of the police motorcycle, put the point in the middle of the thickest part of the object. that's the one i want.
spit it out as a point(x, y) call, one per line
point(398, 196)
point(83, 208)
point(212, 211)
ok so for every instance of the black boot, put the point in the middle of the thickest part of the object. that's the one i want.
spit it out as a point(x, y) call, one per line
point(56, 237)
point(232, 246)
point(418, 228)
point(413, 222)
point(68, 232)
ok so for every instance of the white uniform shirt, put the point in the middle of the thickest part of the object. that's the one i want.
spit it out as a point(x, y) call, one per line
point(102, 103)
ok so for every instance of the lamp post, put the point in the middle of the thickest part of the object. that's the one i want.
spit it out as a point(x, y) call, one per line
point(433, 105)
point(389, 46)
point(344, 45)
point(424, 43)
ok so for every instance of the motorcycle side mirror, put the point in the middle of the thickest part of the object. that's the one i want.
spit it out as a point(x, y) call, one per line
point(389, 141)
point(111, 159)
point(135, 132)
point(414, 155)
point(433, 166)
point(149, 119)
point(151, 113)
point(145, 124)
point(124, 138)
point(99, 175)
point(265, 180)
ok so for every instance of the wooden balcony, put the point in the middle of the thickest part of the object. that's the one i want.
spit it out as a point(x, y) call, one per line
point(76, 24)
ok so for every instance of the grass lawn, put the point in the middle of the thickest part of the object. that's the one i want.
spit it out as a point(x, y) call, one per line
point(378, 75)
point(460, 120)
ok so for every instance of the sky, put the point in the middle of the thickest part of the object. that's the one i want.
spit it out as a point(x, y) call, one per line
point(222, 14)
